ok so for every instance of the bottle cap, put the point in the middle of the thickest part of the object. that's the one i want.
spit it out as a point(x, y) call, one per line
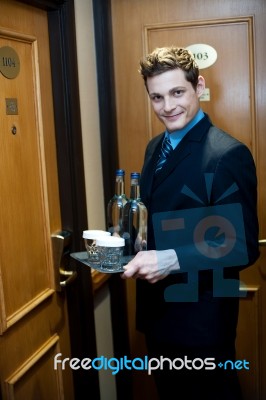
point(93, 234)
point(120, 172)
point(135, 175)
point(110, 241)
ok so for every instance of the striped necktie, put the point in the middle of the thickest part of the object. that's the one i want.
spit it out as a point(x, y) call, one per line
point(165, 152)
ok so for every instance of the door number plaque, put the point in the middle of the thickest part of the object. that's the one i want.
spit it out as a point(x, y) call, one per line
point(9, 62)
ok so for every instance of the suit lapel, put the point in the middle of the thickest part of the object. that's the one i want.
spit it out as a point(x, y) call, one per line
point(147, 174)
point(150, 181)
point(177, 156)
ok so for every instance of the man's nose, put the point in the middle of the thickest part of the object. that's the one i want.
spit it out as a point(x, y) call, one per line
point(169, 104)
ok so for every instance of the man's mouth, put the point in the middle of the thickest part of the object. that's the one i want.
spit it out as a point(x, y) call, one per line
point(174, 116)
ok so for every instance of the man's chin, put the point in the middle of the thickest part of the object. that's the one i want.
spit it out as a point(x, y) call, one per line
point(174, 127)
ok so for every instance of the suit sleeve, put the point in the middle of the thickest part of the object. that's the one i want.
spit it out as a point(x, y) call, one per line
point(237, 167)
point(227, 233)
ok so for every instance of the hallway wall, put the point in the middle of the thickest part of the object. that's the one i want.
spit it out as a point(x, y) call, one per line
point(93, 175)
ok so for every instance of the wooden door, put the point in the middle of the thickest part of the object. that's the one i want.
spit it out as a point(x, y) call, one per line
point(33, 315)
point(236, 83)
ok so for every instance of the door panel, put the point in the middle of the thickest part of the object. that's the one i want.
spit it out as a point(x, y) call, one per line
point(34, 324)
point(237, 105)
point(239, 93)
point(25, 242)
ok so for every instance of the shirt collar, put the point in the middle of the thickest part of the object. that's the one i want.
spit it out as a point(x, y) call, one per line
point(176, 136)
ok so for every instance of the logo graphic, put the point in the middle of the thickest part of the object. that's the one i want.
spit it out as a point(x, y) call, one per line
point(146, 364)
point(207, 237)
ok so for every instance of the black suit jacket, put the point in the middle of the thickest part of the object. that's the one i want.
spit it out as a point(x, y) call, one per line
point(209, 320)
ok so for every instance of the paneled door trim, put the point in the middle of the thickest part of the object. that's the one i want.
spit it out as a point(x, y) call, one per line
point(61, 19)
point(19, 374)
point(7, 320)
point(253, 299)
point(246, 20)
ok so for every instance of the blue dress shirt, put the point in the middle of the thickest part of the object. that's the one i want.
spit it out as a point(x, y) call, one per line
point(176, 136)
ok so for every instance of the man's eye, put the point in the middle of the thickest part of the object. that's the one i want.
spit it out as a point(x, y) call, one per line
point(156, 98)
point(178, 93)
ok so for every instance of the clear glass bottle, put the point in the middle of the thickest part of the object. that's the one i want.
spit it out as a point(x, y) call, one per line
point(135, 219)
point(116, 205)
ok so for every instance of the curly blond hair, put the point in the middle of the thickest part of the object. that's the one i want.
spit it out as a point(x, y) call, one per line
point(168, 58)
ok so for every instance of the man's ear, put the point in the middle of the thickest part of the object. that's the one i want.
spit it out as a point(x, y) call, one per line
point(200, 86)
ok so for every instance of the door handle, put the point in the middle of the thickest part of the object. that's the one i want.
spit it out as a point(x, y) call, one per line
point(61, 242)
point(262, 242)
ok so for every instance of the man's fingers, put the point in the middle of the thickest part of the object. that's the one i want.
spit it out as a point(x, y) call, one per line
point(130, 270)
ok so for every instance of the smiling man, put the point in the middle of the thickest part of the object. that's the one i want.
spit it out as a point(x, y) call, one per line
point(190, 170)
point(175, 100)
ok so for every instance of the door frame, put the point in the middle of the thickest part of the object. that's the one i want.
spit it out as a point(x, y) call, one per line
point(109, 150)
point(71, 178)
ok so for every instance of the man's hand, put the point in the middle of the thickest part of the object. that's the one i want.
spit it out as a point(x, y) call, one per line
point(152, 265)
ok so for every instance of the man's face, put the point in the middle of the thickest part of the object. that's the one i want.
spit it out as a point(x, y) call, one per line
point(174, 100)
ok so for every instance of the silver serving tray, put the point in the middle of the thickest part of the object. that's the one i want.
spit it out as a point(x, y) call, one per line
point(83, 258)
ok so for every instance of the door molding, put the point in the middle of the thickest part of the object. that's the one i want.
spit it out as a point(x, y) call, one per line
point(247, 21)
point(62, 35)
point(109, 147)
